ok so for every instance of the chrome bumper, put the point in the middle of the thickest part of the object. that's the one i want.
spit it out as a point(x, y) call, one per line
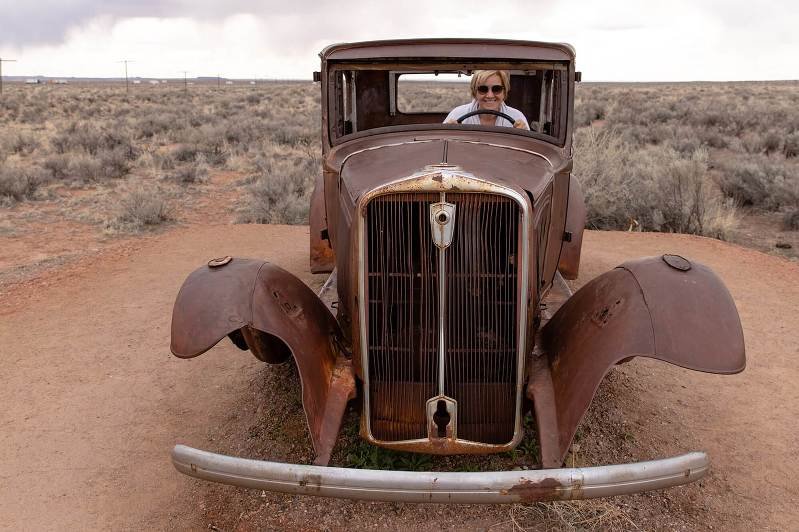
point(408, 486)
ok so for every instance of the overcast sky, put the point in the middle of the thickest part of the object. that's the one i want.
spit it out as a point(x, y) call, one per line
point(616, 40)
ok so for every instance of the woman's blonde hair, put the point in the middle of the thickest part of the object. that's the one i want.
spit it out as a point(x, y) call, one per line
point(480, 76)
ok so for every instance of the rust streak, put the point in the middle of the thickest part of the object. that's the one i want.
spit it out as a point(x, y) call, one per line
point(548, 489)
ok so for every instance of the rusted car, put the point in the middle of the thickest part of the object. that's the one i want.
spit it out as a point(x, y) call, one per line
point(447, 316)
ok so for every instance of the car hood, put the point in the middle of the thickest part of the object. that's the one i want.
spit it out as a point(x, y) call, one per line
point(370, 167)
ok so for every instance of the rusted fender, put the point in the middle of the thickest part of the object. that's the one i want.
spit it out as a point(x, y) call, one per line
point(660, 307)
point(274, 314)
point(569, 262)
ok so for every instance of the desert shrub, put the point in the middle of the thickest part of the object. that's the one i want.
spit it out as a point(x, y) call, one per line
point(280, 192)
point(711, 137)
point(19, 142)
point(760, 181)
point(9, 106)
point(21, 181)
point(790, 147)
point(772, 141)
point(209, 140)
point(586, 111)
point(190, 173)
point(140, 207)
point(684, 140)
point(114, 163)
point(163, 161)
point(746, 183)
point(84, 168)
point(751, 142)
point(674, 190)
point(151, 125)
point(91, 139)
point(185, 153)
point(790, 221)
point(715, 115)
point(599, 163)
point(242, 135)
point(35, 110)
point(293, 135)
point(57, 164)
point(654, 187)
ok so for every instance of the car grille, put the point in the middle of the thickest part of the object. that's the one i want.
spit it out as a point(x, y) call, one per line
point(480, 320)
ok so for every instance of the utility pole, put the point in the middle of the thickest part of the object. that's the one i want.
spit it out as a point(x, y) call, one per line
point(185, 82)
point(218, 80)
point(1, 70)
point(126, 61)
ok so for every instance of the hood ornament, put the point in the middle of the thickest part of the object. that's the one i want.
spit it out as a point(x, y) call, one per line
point(442, 223)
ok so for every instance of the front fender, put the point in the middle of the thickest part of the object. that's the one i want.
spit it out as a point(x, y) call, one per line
point(275, 315)
point(660, 307)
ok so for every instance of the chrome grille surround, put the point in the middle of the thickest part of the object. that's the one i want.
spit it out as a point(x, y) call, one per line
point(434, 180)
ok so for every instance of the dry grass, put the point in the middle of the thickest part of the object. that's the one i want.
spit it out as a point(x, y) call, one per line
point(656, 157)
point(569, 515)
point(91, 136)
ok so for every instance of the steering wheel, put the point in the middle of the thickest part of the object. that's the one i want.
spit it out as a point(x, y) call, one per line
point(487, 112)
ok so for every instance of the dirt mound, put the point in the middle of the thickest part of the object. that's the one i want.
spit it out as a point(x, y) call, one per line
point(93, 401)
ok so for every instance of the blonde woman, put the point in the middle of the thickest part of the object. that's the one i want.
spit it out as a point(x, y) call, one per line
point(489, 90)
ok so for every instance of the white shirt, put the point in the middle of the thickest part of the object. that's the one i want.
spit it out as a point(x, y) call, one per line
point(475, 120)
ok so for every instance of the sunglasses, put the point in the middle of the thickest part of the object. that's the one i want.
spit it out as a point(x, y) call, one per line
point(496, 89)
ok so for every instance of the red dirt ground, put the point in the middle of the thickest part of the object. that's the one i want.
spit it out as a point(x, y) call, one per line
point(93, 401)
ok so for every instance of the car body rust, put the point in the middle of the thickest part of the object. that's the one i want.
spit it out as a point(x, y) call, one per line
point(484, 326)
point(548, 489)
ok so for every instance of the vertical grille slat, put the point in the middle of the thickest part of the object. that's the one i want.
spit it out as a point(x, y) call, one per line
point(402, 319)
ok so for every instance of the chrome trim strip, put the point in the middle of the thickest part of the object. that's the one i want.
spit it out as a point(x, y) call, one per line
point(442, 309)
point(442, 180)
point(434, 139)
point(371, 148)
point(437, 487)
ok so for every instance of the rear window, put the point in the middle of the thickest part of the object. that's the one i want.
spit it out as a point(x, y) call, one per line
point(426, 93)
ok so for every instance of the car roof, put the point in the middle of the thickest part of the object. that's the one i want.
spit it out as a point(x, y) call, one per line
point(449, 49)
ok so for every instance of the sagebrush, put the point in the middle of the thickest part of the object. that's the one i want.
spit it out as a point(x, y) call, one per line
point(679, 157)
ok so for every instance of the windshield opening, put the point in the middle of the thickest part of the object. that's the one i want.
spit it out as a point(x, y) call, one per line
point(364, 97)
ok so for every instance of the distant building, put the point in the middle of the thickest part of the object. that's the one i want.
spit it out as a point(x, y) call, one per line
point(137, 82)
point(32, 81)
point(228, 83)
point(153, 82)
point(60, 81)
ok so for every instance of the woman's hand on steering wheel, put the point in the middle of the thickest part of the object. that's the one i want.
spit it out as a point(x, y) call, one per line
point(518, 124)
point(488, 112)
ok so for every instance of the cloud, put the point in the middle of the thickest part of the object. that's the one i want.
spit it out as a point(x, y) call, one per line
point(49, 21)
point(615, 39)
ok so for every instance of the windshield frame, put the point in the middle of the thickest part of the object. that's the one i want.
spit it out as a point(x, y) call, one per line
point(562, 89)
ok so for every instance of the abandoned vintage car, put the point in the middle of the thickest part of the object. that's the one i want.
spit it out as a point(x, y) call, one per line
point(446, 314)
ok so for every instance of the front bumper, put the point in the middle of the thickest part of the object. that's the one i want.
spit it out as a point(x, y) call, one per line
point(409, 486)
